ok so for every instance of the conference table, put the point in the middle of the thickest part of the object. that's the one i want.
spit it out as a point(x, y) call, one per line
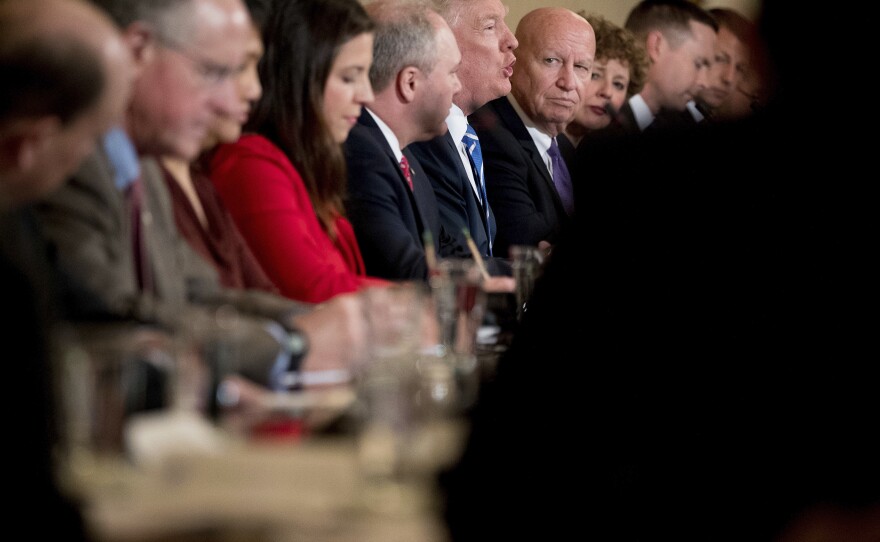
point(281, 483)
point(303, 465)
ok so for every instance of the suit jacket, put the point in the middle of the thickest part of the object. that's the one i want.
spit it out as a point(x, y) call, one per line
point(459, 206)
point(87, 224)
point(520, 188)
point(624, 123)
point(389, 219)
point(268, 199)
point(567, 149)
point(27, 315)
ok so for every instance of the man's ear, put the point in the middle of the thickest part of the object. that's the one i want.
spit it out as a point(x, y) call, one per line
point(407, 80)
point(654, 44)
point(141, 39)
point(23, 143)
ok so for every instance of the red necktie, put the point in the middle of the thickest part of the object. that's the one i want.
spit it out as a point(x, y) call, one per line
point(404, 166)
point(135, 196)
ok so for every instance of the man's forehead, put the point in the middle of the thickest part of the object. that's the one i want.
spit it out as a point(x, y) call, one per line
point(223, 40)
point(483, 11)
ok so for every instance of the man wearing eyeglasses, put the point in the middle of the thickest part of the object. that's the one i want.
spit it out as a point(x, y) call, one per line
point(113, 226)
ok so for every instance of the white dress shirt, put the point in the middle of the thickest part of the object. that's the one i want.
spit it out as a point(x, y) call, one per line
point(457, 124)
point(389, 136)
point(542, 140)
point(641, 112)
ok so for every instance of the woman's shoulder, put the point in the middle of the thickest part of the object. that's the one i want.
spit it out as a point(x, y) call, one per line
point(249, 152)
point(247, 144)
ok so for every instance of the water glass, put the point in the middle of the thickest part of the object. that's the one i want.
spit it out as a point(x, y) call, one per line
point(526, 262)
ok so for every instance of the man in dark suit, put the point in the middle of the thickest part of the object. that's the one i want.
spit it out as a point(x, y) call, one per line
point(710, 379)
point(679, 38)
point(486, 66)
point(64, 77)
point(527, 181)
point(415, 60)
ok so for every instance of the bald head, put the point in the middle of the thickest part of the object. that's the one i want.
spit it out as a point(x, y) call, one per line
point(536, 25)
point(555, 57)
point(65, 80)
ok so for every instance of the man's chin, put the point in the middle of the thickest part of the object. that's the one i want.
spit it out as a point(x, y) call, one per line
point(186, 150)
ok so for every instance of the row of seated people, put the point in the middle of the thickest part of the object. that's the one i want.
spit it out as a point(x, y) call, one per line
point(728, 280)
point(296, 207)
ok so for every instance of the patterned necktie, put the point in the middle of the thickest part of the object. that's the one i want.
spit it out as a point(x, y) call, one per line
point(561, 177)
point(472, 144)
point(407, 173)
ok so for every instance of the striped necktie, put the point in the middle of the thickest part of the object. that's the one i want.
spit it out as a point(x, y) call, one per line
point(472, 144)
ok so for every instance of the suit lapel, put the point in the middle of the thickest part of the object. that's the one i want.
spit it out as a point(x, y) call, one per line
point(373, 129)
point(420, 181)
point(517, 127)
point(455, 158)
point(426, 202)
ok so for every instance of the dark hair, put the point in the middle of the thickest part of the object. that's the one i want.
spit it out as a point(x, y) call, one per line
point(51, 75)
point(301, 41)
point(666, 16)
point(260, 11)
point(737, 23)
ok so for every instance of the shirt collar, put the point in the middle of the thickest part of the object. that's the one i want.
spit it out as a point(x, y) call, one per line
point(389, 135)
point(123, 157)
point(457, 123)
point(542, 140)
point(695, 111)
point(641, 111)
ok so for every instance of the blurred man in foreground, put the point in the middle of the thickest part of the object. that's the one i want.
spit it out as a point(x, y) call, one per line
point(713, 383)
point(64, 80)
point(112, 225)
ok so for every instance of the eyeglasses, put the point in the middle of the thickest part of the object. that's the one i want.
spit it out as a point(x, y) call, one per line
point(210, 73)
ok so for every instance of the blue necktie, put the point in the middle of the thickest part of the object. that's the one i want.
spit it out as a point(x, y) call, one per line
point(561, 177)
point(472, 144)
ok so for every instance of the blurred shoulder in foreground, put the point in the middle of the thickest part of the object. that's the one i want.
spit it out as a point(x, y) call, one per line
point(705, 380)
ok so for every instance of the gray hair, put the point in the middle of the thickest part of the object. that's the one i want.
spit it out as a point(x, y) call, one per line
point(404, 36)
point(173, 21)
point(450, 10)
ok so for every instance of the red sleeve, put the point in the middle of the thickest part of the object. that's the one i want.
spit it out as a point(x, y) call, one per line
point(268, 201)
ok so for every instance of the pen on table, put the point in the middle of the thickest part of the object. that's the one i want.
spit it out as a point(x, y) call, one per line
point(476, 253)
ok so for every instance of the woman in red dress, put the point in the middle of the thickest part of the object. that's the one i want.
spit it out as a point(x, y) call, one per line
point(284, 180)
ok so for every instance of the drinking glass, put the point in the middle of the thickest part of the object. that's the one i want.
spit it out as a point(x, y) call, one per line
point(107, 376)
point(387, 388)
point(526, 262)
point(459, 304)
